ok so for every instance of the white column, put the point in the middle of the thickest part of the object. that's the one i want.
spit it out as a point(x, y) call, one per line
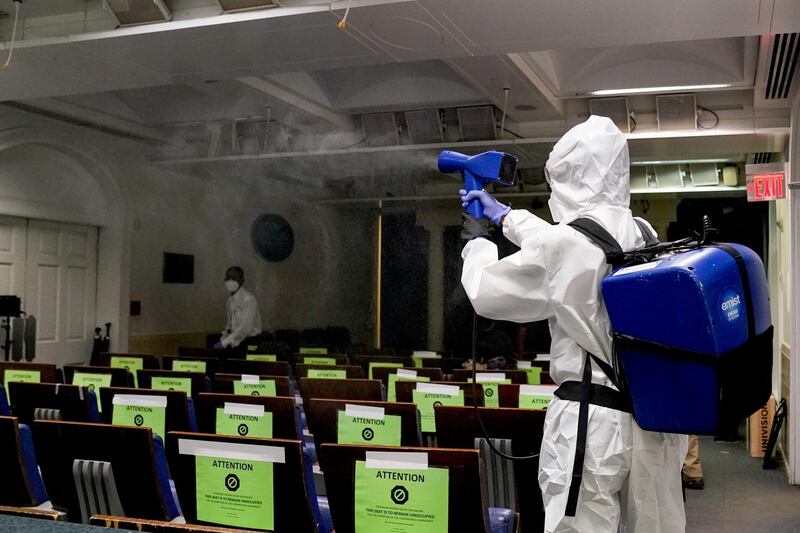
point(794, 277)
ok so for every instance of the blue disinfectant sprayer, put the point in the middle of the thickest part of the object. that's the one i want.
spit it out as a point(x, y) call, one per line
point(478, 170)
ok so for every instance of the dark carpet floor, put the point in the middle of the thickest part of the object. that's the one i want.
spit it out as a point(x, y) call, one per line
point(13, 524)
point(740, 497)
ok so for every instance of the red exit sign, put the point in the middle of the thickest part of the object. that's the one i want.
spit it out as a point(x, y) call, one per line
point(763, 187)
point(766, 182)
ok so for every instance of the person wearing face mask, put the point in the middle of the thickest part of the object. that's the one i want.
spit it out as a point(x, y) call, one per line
point(613, 477)
point(244, 318)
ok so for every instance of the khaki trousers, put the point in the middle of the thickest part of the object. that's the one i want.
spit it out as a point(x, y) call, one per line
point(692, 468)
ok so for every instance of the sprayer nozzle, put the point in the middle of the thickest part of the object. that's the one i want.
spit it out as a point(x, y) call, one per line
point(488, 166)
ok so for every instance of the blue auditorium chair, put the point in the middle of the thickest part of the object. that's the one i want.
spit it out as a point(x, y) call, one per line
point(5, 410)
point(126, 463)
point(21, 484)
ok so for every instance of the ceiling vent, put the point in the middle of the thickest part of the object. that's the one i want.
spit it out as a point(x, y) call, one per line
point(424, 126)
point(477, 123)
point(133, 12)
point(760, 158)
point(614, 108)
point(230, 6)
point(380, 129)
point(783, 65)
point(676, 112)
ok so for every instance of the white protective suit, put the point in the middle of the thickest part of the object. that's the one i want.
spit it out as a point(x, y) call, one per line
point(631, 477)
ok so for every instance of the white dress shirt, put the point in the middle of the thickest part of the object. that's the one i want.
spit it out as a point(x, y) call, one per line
point(244, 319)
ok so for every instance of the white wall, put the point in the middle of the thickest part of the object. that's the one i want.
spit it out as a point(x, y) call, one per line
point(53, 171)
point(325, 281)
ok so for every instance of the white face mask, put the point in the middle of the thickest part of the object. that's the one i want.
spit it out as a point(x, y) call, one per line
point(232, 286)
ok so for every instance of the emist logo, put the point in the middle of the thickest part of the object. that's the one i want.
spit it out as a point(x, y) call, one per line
point(731, 305)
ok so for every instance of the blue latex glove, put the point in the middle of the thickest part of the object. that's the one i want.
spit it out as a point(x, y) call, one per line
point(492, 209)
point(219, 345)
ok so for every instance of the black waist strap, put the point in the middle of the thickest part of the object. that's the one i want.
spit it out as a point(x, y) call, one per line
point(598, 395)
point(586, 393)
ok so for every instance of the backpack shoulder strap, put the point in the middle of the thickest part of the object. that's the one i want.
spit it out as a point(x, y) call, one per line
point(650, 238)
point(600, 237)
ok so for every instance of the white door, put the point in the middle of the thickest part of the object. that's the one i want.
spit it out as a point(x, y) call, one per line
point(13, 243)
point(60, 289)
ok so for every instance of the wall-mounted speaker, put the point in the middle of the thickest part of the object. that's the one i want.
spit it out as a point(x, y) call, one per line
point(676, 112)
point(614, 108)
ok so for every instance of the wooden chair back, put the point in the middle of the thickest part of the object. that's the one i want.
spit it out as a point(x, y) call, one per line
point(284, 419)
point(351, 371)
point(365, 360)
point(148, 360)
point(405, 390)
point(300, 359)
point(467, 510)
point(212, 364)
point(342, 389)
point(382, 373)
point(257, 368)
point(447, 364)
point(197, 351)
point(130, 451)
point(508, 394)
point(322, 416)
point(47, 373)
point(292, 509)
point(72, 401)
point(516, 376)
point(119, 376)
point(458, 427)
point(176, 415)
point(223, 383)
point(199, 382)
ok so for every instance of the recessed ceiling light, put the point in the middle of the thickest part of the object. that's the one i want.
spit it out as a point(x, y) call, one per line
point(665, 89)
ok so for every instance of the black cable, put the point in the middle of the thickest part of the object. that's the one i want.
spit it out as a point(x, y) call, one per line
point(707, 110)
point(475, 397)
point(633, 120)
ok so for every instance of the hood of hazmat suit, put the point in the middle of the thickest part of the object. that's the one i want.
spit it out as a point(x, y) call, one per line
point(631, 478)
point(588, 172)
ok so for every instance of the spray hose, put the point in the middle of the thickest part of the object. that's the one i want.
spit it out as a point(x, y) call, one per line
point(475, 400)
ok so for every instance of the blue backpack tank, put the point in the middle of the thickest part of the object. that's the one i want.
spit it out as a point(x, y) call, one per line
point(692, 331)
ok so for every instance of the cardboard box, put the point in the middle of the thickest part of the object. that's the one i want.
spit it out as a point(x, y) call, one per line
point(758, 427)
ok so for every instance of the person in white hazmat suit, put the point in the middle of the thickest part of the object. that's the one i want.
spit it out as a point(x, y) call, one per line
point(631, 478)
